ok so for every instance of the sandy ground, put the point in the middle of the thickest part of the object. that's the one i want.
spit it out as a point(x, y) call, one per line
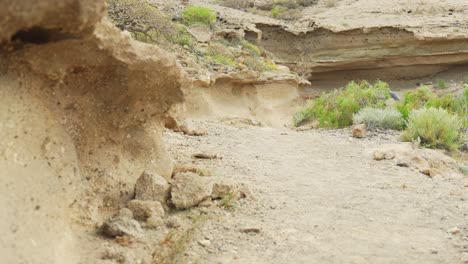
point(320, 198)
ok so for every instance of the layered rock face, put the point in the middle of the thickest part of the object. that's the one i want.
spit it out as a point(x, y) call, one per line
point(81, 112)
point(387, 52)
point(394, 40)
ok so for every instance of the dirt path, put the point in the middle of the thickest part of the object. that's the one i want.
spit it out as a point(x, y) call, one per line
point(322, 199)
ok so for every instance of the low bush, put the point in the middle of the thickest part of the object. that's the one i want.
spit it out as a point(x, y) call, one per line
point(379, 118)
point(434, 128)
point(276, 12)
point(303, 114)
point(336, 109)
point(260, 65)
point(219, 54)
point(199, 15)
point(253, 49)
point(441, 84)
point(414, 99)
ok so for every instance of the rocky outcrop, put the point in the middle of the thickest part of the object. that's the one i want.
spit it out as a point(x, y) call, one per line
point(391, 40)
point(321, 51)
point(81, 116)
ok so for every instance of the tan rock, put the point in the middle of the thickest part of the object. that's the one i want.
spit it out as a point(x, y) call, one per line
point(152, 187)
point(201, 33)
point(379, 155)
point(359, 131)
point(189, 189)
point(122, 224)
point(142, 210)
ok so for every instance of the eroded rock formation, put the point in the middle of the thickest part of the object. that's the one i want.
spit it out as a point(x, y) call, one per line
point(81, 112)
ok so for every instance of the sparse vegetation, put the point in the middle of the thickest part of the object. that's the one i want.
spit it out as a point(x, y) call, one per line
point(253, 49)
point(275, 12)
point(336, 109)
point(414, 99)
point(434, 128)
point(228, 201)
point(441, 84)
point(219, 54)
point(172, 247)
point(199, 15)
point(380, 118)
point(259, 64)
point(464, 170)
point(147, 24)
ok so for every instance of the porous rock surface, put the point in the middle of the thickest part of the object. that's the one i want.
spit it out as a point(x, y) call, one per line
point(81, 111)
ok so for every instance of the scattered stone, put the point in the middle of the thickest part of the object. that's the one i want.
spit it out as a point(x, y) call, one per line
point(244, 191)
point(454, 231)
point(255, 230)
point(204, 156)
point(429, 172)
point(121, 225)
point(142, 210)
point(189, 189)
point(434, 251)
point(181, 168)
point(359, 131)
point(152, 187)
point(379, 155)
point(204, 242)
point(222, 188)
point(187, 128)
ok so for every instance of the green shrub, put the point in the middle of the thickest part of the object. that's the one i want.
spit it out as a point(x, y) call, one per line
point(199, 15)
point(222, 59)
point(441, 84)
point(254, 50)
point(379, 118)
point(414, 99)
point(435, 128)
point(276, 12)
point(336, 109)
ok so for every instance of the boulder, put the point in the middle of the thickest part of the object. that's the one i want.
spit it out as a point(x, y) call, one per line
point(189, 189)
point(152, 187)
point(142, 210)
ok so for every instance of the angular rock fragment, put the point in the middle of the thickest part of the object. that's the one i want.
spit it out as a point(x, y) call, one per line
point(152, 187)
point(189, 189)
point(122, 224)
point(142, 210)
